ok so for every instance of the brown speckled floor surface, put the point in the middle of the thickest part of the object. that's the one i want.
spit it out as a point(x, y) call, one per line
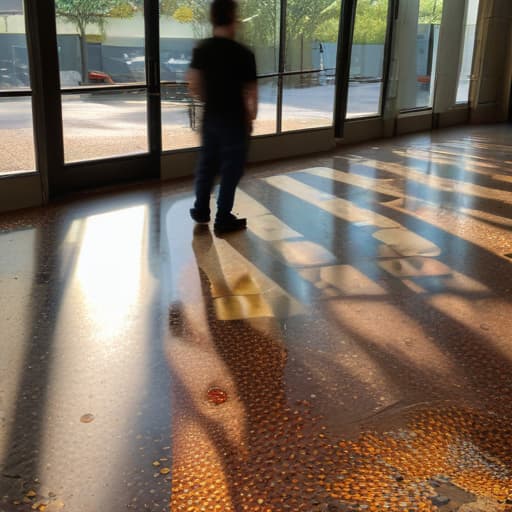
point(352, 350)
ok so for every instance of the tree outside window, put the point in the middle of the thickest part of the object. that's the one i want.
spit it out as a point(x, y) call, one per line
point(83, 13)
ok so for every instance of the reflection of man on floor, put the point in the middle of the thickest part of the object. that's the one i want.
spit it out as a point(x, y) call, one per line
point(223, 75)
point(245, 358)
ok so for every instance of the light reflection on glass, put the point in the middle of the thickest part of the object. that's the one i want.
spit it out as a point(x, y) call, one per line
point(466, 64)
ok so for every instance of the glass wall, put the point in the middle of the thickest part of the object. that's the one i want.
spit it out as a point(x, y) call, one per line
point(259, 30)
point(266, 122)
point(310, 54)
point(98, 48)
point(309, 64)
point(367, 60)
point(308, 102)
point(100, 45)
point(103, 124)
point(182, 25)
point(16, 128)
point(418, 81)
point(103, 69)
point(468, 49)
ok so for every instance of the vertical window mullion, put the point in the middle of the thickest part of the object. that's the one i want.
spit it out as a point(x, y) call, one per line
point(45, 85)
point(392, 17)
point(154, 119)
point(281, 64)
point(346, 32)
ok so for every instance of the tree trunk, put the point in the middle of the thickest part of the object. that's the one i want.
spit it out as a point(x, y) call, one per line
point(84, 55)
point(434, 12)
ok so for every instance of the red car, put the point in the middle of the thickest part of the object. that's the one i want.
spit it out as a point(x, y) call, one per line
point(100, 77)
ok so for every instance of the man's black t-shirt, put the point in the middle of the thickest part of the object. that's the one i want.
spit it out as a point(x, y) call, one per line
point(226, 68)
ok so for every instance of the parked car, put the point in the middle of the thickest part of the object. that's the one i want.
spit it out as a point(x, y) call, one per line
point(174, 70)
point(424, 81)
point(13, 75)
point(100, 77)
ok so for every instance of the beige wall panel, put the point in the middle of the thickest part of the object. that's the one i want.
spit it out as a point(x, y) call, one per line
point(20, 191)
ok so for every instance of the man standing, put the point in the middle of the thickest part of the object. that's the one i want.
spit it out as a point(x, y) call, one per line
point(223, 75)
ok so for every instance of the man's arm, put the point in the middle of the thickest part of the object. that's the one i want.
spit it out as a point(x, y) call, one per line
point(250, 89)
point(195, 85)
point(251, 100)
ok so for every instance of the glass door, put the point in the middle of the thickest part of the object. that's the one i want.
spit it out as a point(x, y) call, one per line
point(180, 28)
point(102, 69)
point(107, 92)
point(17, 152)
point(466, 66)
point(182, 25)
point(309, 64)
point(363, 57)
point(368, 58)
point(419, 47)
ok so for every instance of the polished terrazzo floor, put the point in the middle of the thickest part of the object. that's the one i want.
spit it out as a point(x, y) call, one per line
point(352, 350)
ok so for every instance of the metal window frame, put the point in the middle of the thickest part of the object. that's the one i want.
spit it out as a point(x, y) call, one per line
point(152, 52)
point(467, 103)
point(40, 23)
point(393, 6)
point(343, 58)
point(281, 64)
point(15, 93)
point(58, 177)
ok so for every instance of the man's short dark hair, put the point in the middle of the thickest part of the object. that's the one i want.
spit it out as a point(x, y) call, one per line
point(223, 12)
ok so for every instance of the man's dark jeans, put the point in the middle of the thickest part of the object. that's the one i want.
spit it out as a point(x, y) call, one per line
point(224, 152)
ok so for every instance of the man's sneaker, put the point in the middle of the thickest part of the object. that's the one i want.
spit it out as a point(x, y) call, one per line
point(229, 224)
point(199, 217)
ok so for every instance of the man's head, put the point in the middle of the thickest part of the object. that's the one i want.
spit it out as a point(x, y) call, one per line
point(223, 13)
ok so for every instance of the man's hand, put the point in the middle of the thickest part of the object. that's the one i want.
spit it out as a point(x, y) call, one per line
point(195, 85)
point(251, 100)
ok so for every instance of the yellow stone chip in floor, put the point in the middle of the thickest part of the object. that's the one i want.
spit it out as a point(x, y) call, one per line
point(242, 307)
point(231, 274)
point(240, 283)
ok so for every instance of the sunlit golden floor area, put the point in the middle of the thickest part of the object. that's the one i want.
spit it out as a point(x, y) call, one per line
point(352, 350)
